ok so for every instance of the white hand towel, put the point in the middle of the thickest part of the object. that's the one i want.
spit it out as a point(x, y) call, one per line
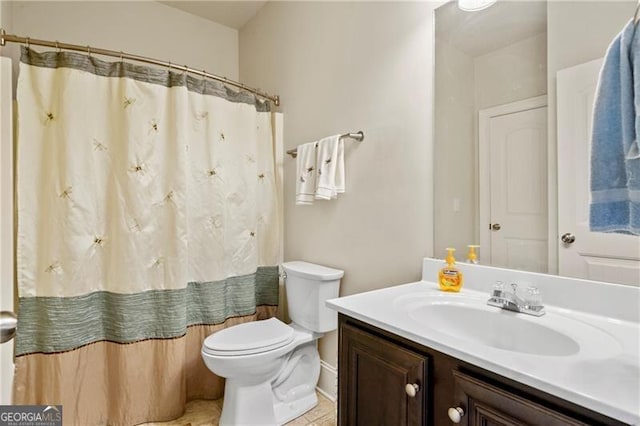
point(327, 165)
point(306, 173)
point(341, 181)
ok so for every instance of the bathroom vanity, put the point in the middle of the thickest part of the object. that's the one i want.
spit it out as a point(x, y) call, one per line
point(413, 355)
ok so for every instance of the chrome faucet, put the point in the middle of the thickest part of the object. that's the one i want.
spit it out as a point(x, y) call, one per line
point(509, 300)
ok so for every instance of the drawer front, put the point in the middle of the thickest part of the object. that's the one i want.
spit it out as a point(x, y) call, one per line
point(487, 405)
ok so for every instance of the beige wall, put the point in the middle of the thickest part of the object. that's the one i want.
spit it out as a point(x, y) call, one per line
point(577, 32)
point(6, 16)
point(146, 28)
point(346, 67)
point(454, 136)
point(513, 73)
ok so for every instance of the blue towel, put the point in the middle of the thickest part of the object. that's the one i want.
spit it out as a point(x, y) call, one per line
point(615, 150)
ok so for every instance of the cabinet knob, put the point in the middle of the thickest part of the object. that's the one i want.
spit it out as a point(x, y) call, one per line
point(455, 414)
point(411, 389)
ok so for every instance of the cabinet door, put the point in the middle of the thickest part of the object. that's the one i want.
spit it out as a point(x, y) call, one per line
point(487, 405)
point(373, 374)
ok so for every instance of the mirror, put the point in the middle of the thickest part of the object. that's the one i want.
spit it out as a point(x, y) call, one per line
point(496, 125)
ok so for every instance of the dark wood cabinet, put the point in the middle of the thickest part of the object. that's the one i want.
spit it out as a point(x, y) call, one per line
point(375, 366)
point(376, 376)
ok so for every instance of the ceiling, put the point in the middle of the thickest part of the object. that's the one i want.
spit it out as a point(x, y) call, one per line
point(232, 14)
point(504, 23)
point(475, 33)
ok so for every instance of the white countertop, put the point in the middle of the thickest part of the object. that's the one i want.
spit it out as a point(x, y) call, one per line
point(605, 379)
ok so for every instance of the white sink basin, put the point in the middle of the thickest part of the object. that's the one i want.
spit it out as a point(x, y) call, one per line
point(470, 319)
point(502, 330)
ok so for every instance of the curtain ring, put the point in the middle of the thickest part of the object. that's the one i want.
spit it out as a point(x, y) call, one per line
point(169, 66)
point(89, 50)
point(28, 43)
point(58, 47)
point(121, 57)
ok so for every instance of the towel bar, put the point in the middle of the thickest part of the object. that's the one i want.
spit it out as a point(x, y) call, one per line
point(358, 136)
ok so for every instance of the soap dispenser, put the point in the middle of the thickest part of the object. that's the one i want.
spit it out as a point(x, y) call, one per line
point(472, 256)
point(450, 278)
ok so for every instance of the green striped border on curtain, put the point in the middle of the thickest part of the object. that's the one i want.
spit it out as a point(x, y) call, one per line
point(153, 75)
point(58, 324)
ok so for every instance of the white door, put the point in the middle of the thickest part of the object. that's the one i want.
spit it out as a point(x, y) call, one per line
point(6, 224)
point(597, 256)
point(513, 140)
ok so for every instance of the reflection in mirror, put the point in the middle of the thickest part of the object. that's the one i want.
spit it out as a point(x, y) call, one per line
point(497, 123)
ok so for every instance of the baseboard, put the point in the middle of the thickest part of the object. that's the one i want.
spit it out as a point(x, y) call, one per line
point(328, 382)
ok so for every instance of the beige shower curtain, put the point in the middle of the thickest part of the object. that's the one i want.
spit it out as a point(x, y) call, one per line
point(147, 219)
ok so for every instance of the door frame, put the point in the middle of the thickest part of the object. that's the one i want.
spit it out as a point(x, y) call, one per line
point(483, 151)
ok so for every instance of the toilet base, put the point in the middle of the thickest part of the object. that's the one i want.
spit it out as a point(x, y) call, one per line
point(264, 410)
point(247, 405)
point(287, 411)
point(258, 400)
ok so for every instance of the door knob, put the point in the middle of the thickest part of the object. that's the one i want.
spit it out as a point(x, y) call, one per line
point(568, 238)
point(496, 226)
point(8, 322)
point(411, 389)
point(455, 414)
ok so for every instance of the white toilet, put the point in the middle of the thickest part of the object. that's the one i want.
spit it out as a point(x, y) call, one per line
point(272, 368)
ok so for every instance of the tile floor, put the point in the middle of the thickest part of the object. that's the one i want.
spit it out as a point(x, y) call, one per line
point(204, 413)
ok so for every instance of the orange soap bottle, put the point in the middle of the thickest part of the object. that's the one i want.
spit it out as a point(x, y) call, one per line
point(450, 278)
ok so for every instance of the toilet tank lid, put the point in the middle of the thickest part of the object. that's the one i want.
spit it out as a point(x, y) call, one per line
point(312, 271)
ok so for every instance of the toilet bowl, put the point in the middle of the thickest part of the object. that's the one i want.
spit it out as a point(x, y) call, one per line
point(272, 368)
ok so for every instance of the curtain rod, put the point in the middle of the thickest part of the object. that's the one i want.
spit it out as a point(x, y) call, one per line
point(4, 38)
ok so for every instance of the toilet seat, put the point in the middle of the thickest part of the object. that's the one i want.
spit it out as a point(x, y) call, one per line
point(249, 338)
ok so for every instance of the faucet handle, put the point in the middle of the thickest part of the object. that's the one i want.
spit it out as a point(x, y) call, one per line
point(533, 298)
point(514, 286)
point(498, 289)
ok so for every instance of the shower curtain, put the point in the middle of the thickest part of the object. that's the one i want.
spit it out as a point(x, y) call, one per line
point(147, 219)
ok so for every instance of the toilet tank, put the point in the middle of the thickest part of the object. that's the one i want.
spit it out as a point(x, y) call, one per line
point(308, 286)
